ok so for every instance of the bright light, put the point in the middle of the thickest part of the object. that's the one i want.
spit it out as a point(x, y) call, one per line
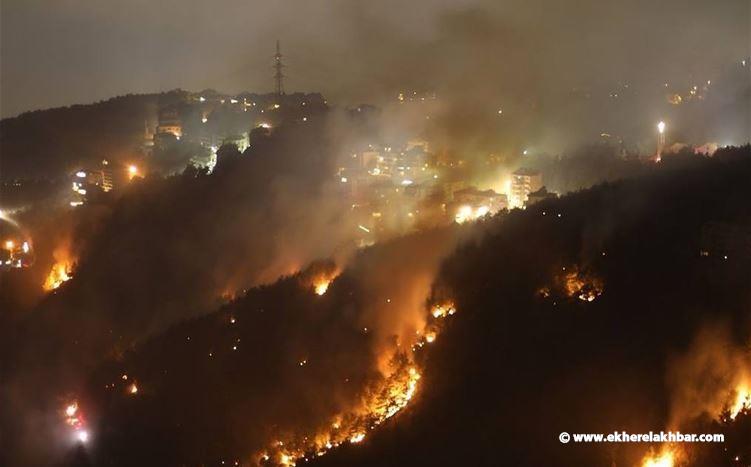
point(82, 436)
point(71, 409)
point(463, 214)
point(407, 182)
point(466, 213)
point(61, 272)
point(132, 171)
point(665, 459)
point(265, 125)
point(81, 174)
point(202, 99)
point(357, 438)
point(25, 247)
point(344, 179)
point(9, 245)
point(204, 120)
point(661, 127)
point(742, 401)
point(321, 286)
point(133, 389)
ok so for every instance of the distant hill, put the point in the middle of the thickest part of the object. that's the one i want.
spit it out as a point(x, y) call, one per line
point(47, 143)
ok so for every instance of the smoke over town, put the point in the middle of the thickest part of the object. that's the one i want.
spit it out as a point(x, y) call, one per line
point(340, 233)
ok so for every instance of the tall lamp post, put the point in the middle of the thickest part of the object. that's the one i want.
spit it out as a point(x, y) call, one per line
point(660, 139)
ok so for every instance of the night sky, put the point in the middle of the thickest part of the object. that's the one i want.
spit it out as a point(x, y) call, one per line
point(62, 52)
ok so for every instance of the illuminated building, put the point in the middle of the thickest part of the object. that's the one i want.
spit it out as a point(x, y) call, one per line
point(523, 182)
point(148, 138)
point(169, 127)
point(85, 182)
point(15, 248)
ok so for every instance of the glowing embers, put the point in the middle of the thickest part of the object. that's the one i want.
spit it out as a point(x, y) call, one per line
point(584, 286)
point(61, 272)
point(382, 400)
point(573, 282)
point(442, 310)
point(357, 437)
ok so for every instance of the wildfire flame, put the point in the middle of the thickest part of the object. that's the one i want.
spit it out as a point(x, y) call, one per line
point(581, 285)
point(665, 458)
point(60, 273)
point(321, 286)
point(382, 400)
point(742, 400)
point(321, 279)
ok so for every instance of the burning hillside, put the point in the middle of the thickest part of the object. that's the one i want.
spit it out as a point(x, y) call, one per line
point(308, 373)
point(522, 369)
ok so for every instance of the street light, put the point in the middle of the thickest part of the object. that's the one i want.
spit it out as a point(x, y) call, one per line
point(660, 139)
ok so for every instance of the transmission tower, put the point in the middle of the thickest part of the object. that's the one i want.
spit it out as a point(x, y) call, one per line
point(278, 75)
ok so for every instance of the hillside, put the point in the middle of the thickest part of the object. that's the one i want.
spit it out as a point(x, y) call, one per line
point(48, 143)
point(592, 313)
point(516, 367)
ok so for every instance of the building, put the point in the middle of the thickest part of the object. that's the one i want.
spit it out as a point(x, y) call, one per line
point(540, 195)
point(523, 182)
point(477, 198)
point(169, 123)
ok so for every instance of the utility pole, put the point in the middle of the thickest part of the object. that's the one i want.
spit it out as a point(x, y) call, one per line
point(278, 75)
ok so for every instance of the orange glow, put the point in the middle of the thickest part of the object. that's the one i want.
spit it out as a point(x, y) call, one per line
point(133, 389)
point(442, 310)
point(61, 272)
point(742, 400)
point(666, 458)
point(357, 437)
point(581, 285)
point(382, 398)
point(320, 280)
point(132, 171)
point(321, 286)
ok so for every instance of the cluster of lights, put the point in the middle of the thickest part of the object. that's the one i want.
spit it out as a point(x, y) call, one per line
point(74, 418)
point(16, 253)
